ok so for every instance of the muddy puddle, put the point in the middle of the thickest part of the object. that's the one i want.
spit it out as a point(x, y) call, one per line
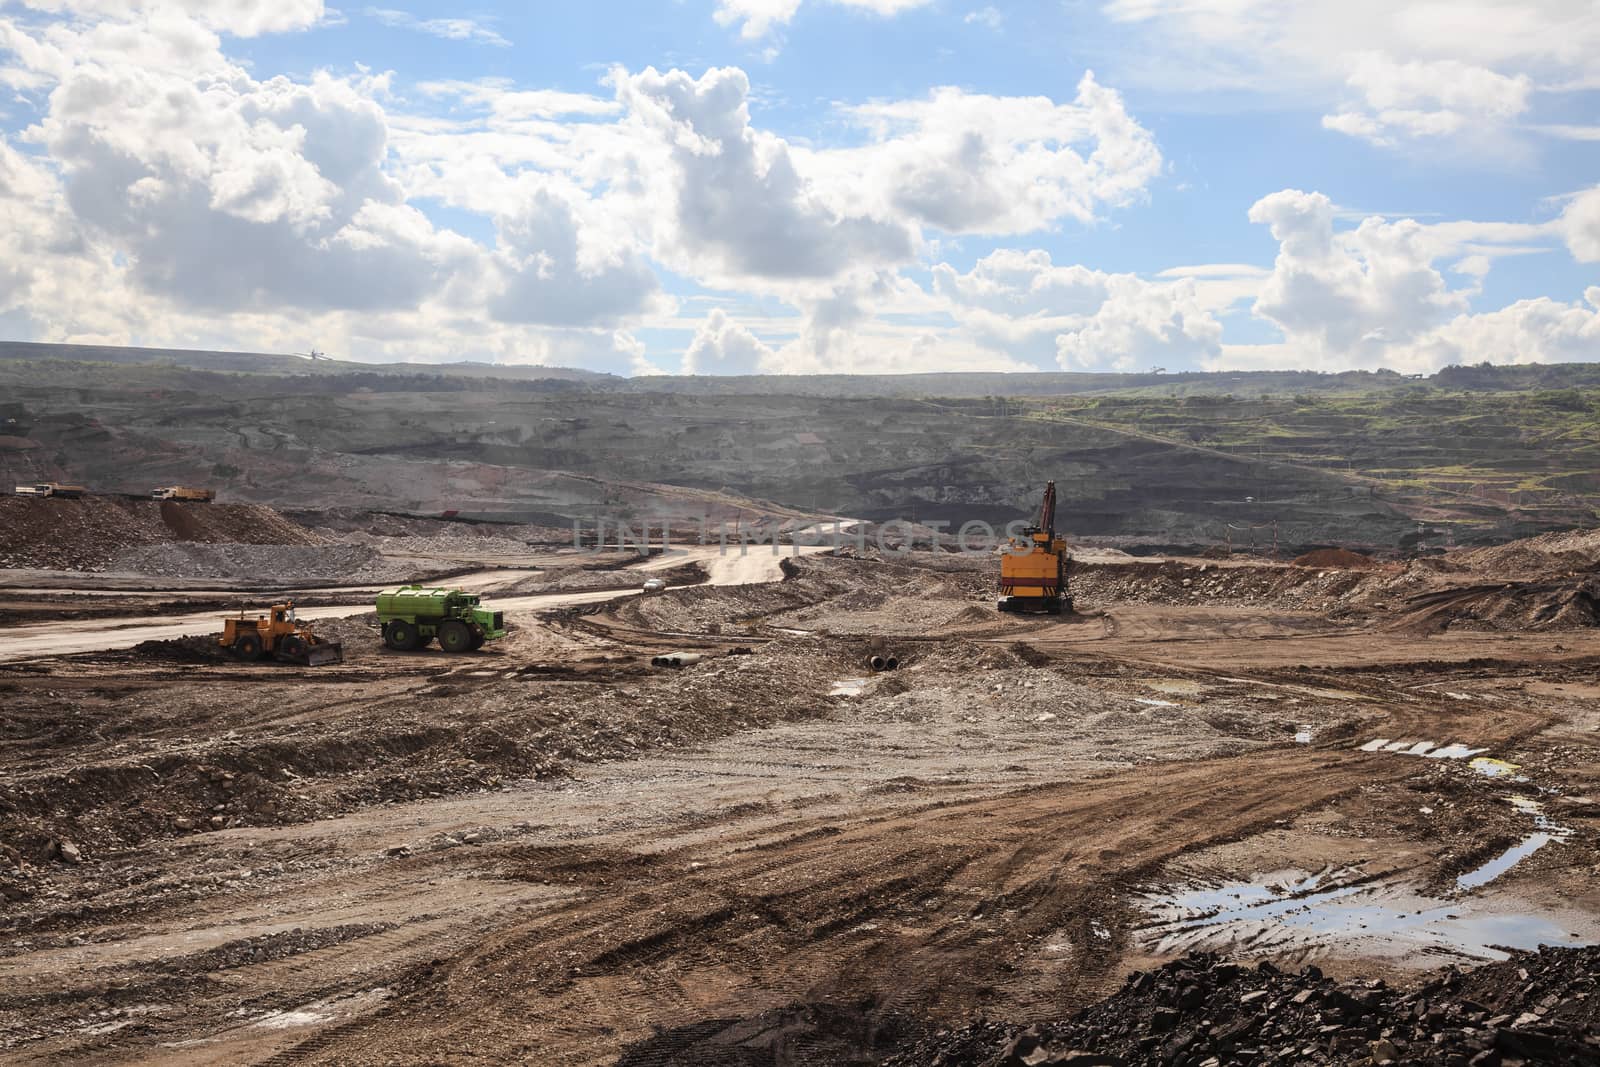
point(1347, 913)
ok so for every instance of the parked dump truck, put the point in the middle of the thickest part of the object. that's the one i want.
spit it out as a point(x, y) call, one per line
point(412, 616)
point(279, 635)
point(70, 492)
point(1033, 568)
point(184, 493)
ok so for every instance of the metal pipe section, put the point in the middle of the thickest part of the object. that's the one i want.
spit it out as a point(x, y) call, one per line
point(891, 663)
point(876, 663)
point(676, 659)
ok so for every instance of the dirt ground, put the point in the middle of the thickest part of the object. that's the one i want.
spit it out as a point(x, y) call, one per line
point(551, 851)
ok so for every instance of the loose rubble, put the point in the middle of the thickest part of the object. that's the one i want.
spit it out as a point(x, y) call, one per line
point(1204, 1011)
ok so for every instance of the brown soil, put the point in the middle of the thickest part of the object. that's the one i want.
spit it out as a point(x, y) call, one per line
point(1335, 557)
point(549, 851)
point(85, 534)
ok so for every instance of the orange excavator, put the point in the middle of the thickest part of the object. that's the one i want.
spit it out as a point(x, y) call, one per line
point(1033, 567)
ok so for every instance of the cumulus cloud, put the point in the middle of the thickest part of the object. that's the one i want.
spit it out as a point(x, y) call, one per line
point(200, 204)
point(1580, 226)
point(741, 208)
point(555, 272)
point(758, 18)
point(1372, 297)
point(1349, 296)
point(1529, 331)
point(1427, 99)
point(1140, 324)
point(1022, 304)
point(723, 346)
point(972, 163)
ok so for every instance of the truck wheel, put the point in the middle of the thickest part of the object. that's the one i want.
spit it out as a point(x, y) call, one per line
point(400, 636)
point(478, 641)
point(454, 636)
point(293, 648)
point(247, 647)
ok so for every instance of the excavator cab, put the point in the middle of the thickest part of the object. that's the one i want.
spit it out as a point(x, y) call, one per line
point(1033, 568)
point(278, 634)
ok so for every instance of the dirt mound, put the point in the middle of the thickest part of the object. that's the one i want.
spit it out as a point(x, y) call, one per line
point(1335, 557)
point(1537, 1007)
point(86, 534)
point(1545, 556)
point(1509, 606)
point(181, 650)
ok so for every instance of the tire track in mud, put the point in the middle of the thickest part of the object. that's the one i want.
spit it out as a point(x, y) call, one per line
point(938, 910)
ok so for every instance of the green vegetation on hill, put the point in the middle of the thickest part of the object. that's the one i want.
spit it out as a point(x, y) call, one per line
point(1530, 449)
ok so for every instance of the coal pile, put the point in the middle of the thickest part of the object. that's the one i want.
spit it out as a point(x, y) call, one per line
point(1204, 1011)
point(191, 649)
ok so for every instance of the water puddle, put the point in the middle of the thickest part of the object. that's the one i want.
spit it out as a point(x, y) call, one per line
point(1153, 703)
point(1546, 830)
point(848, 687)
point(1427, 749)
point(1505, 861)
point(1345, 913)
point(1494, 768)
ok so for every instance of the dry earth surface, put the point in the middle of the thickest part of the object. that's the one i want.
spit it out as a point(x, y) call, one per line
point(551, 851)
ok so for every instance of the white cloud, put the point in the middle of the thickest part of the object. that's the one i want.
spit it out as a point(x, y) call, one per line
point(1141, 324)
point(241, 18)
point(972, 163)
point(449, 29)
point(557, 270)
point(1349, 297)
point(757, 18)
point(1420, 70)
point(1372, 298)
point(198, 204)
point(1529, 331)
point(988, 17)
point(1580, 226)
point(740, 207)
point(1022, 305)
point(722, 346)
point(1435, 98)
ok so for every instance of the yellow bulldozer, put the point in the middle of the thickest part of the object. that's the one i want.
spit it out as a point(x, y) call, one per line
point(279, 635)
point(1033, 567)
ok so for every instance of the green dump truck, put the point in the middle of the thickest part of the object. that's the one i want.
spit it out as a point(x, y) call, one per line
point(413, 616)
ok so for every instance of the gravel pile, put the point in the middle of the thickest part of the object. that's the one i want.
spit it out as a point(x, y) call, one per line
point(1203, 1011)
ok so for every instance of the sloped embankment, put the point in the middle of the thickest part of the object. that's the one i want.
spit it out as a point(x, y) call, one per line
point(87, 534)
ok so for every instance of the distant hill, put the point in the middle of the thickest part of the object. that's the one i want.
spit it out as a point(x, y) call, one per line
point(1483, 378)
point(267, 363)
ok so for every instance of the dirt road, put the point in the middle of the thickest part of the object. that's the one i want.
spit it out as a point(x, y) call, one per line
point(67, 636)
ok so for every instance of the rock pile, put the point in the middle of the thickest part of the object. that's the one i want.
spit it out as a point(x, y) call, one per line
point(1203, 1011)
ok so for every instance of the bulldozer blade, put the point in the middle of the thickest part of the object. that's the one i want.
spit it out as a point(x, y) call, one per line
point(325, 652)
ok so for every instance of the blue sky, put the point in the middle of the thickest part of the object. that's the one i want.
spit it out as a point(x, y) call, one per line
point(736, 186)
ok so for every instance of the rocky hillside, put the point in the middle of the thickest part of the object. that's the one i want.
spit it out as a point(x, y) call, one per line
point(1374, 461)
